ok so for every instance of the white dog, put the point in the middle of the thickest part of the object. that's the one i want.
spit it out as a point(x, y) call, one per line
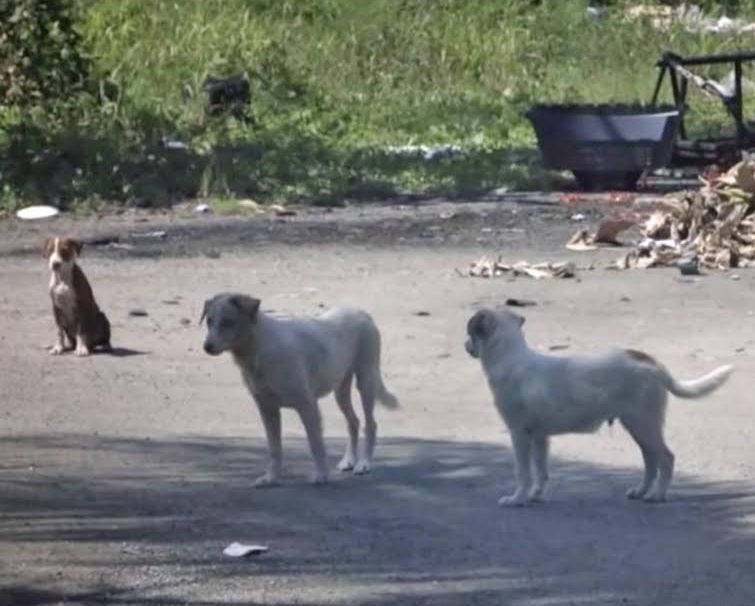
point(293, 362)
point(539, 396)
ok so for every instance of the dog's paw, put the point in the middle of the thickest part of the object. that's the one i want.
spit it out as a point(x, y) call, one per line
point(320, 478)
point(81, 351)
point(56, 350)
point(346, 464)
point(362, 467)
point(636, 492)
point(536, 496)
point(265, 481)
point(654, 497)
point(514, 500)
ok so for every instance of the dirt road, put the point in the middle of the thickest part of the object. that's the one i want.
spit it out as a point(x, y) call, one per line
point(122, 477)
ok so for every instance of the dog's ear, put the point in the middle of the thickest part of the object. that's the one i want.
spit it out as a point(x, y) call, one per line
point(77, 246)
point(482, 324)
point(204, 311)
point(249, 306)
point(48, 247)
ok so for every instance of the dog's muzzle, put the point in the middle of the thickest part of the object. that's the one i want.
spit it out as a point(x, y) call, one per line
point(471, 350)
point(211, 349)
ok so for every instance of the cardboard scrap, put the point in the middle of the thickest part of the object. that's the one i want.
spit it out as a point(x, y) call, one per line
point(582, 240)
point(486, 267)
point(610, 227)
point(607, 233)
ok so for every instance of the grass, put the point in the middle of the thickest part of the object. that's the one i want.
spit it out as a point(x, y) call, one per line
point(335, 83)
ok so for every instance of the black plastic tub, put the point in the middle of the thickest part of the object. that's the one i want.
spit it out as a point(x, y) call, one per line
point(605, 146)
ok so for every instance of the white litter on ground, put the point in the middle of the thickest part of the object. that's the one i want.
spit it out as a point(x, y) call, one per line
point(37, 212)
point(240, 550)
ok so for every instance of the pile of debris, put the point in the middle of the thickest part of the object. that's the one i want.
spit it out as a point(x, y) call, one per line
point(485, 267)
point(713, 227)
point(690, 16)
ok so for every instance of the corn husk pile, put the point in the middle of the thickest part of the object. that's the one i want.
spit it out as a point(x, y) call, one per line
point(714, 225)
point(485, 267)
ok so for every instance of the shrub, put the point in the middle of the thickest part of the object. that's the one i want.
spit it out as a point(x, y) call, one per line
point(40, 57)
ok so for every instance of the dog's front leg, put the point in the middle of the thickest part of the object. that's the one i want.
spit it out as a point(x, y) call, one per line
point(310, 417)
point(60, 343)
point(59, 346)
point(521, 441)
point(271, 419)
point(540, 466)
point(82, 349)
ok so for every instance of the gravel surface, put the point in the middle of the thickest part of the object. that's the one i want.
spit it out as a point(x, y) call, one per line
point(123, 477)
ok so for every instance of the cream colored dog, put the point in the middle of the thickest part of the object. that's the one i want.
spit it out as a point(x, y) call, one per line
point(539, 396)
point(293, 362)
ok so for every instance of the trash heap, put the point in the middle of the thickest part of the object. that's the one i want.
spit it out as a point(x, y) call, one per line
point(713, 226)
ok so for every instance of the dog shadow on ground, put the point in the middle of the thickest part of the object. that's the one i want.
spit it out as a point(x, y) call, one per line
point(124, 352)
point(422, 528)
point(117, 352)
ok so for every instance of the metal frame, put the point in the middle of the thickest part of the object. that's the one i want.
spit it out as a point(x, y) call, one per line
point(679, 76)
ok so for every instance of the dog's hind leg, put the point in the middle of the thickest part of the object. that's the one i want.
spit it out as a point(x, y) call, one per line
point(522, 442)
point(539, 466)
point(367, 385)
point(665, 470)
point(343, 398)
point(659, 461)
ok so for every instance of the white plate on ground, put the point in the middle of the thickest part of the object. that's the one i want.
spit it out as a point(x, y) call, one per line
point(37, 212)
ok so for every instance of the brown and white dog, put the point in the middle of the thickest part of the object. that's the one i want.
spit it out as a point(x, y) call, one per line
point(81, 324)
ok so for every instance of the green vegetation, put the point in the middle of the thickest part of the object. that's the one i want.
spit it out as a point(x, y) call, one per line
point(334, 84)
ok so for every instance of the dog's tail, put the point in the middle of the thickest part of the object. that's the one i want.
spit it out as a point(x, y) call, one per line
point(385, 397)
point(696, 388)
